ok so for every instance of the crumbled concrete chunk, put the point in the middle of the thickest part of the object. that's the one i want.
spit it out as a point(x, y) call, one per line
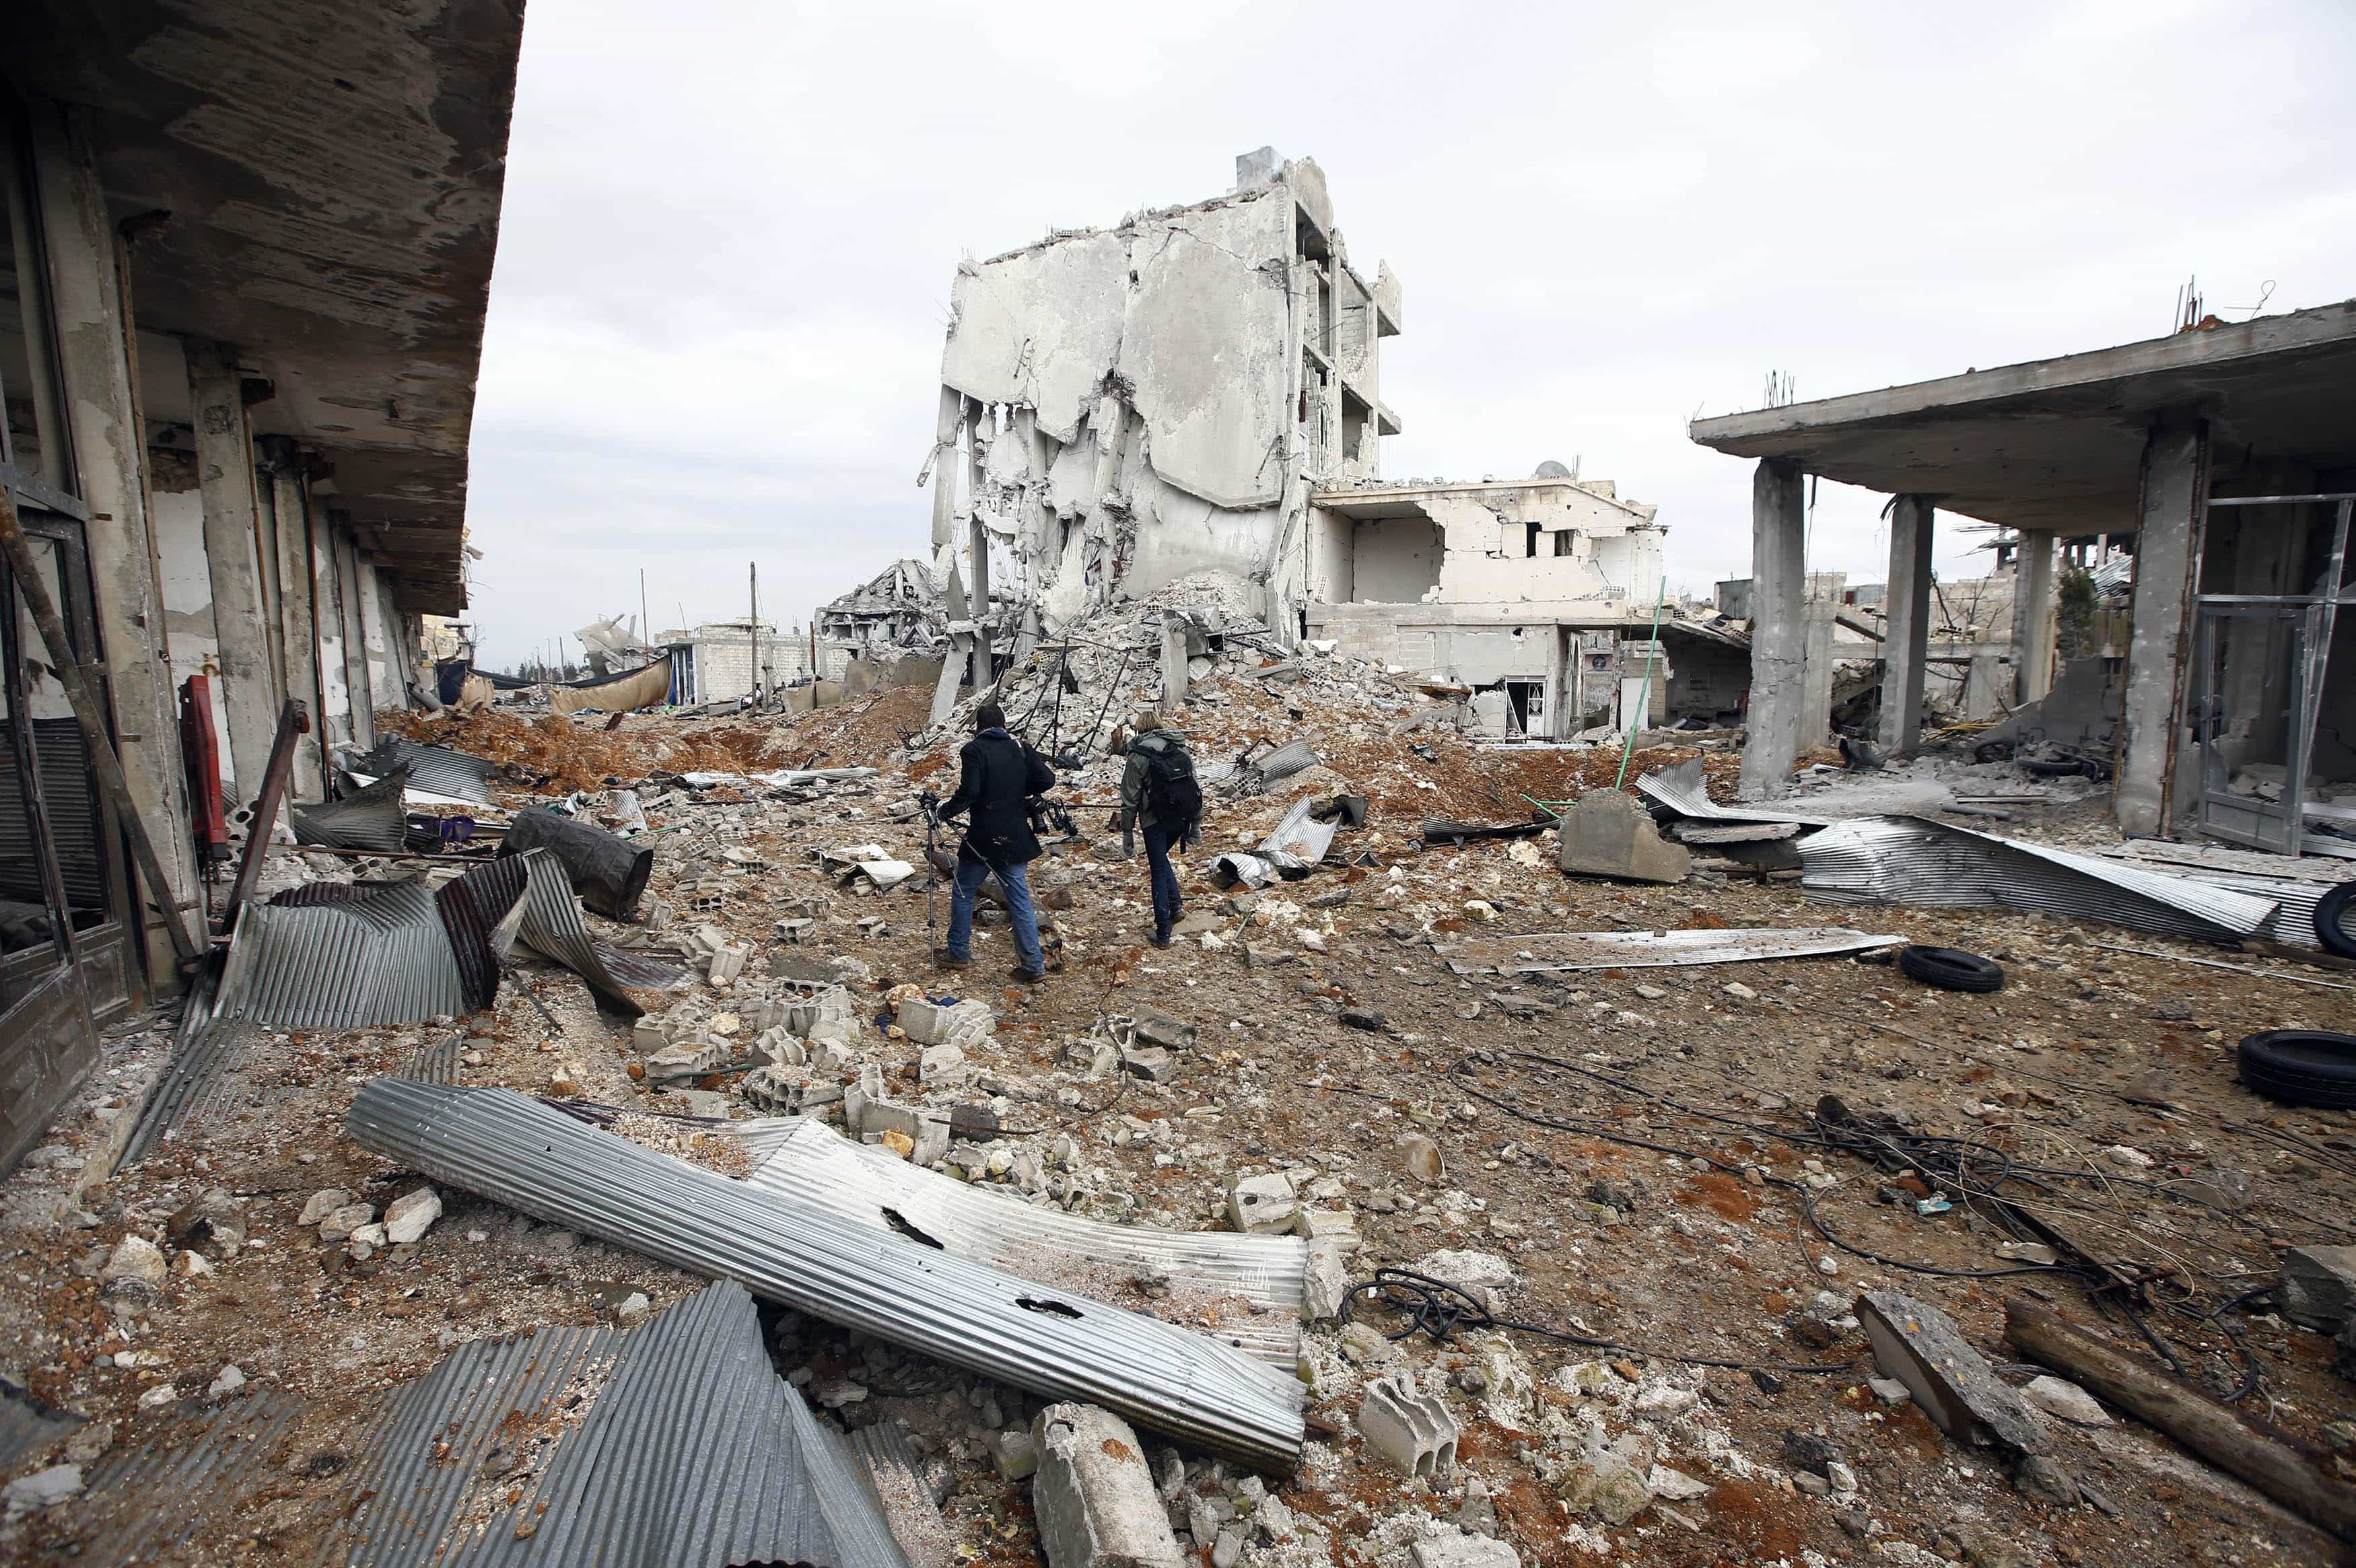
point(1461, 1551)
point(340, 1223)
point(228, 1380)
point(324, 1202)
point(1094, 1497)
point(1483, 1277)
point(409, 1216)
point(1262, 1205)
point(2058, 1396)
point(134, 1260)
point(2318, 1286)
point(43, 1489)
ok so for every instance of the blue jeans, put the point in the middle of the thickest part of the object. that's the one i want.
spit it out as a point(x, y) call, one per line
point(1166, 902)
point(1014, 881)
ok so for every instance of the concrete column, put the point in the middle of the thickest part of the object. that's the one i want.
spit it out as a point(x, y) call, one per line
point(356, 665)
point(1817, 669)
point(94, 364)
point(2032, 617)
point(297, 616)
point(945, 429)
point(982, 670)
point(335, 714)
point(1173, 665)
point(1778, 628)
point(1983, 687)
point(2167, 556)
point(225, 479)
point(1905, 638)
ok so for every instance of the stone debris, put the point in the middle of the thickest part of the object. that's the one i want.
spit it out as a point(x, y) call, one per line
point(1094, 1495)
point(1483, 1277)
point(410, 1216)
point(43, 1489)
point(1262, 1205)
point(2058, 1396)
point(2319, 1286)
point(1463, 1551)
point(1608, 834)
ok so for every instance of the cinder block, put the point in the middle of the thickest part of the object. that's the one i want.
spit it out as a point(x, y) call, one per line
point(1409, 1428)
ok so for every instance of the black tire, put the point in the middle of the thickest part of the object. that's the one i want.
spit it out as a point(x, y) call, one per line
point(2302, 1066)
point(1950, 968)
point(2335, 921)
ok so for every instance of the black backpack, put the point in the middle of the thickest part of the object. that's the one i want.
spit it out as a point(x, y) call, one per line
point(1172, 795)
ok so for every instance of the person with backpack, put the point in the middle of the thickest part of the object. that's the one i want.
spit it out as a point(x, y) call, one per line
point(997, 776)
point(1159, 797)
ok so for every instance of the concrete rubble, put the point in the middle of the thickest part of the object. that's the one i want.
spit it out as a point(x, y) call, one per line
point(1391, 1057)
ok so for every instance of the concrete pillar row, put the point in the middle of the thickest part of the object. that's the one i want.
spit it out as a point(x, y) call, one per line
point(2167, 555)
point(1778, 627)
point(1907, 630)
point(2032, 618)
point(93, 351)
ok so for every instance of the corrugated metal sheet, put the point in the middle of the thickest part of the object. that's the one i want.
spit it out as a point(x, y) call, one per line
point(380, 957)
point(1681, 788)
point(1654, 949)
point(436, 770)
point(158, 1501)
point(671, 1444)
point(1055, 1343)
point(2295, 899)
point(1915, 860)
point(370, 817)
point(906, 1500)
point(1292, 757)
point(1258, 1278)
point(347, 954)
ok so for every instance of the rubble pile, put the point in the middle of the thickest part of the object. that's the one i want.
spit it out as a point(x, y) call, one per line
point(1562, 1265)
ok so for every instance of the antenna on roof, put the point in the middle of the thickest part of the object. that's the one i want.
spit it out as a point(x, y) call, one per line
point(1779, 391)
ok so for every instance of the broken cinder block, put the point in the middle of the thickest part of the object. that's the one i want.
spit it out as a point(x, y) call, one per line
point(1409, 1428)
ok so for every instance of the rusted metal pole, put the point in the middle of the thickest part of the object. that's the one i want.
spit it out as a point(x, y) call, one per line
point(104, 765)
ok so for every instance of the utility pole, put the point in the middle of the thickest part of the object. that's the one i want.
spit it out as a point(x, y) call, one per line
point(646, 621)
point(755, 567)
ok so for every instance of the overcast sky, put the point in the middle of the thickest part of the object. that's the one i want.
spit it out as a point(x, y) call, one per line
point(730, 228)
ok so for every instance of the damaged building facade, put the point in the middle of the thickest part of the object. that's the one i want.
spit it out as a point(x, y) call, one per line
point(1121, 408)
point(2222, 455)
point(1200, 388)
point(246, 259)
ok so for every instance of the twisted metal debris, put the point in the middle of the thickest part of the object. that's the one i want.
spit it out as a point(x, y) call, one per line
point(533, 1158)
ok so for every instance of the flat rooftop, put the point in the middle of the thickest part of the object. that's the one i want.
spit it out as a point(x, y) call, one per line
point(2057, 444)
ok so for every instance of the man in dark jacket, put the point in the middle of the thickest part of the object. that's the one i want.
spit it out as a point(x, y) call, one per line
point(1149, 740)
point(998, 774)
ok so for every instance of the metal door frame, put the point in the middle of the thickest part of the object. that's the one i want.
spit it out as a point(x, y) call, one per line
point(2279, 826)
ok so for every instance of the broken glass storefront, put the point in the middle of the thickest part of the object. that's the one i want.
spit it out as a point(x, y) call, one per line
point(2272, 697)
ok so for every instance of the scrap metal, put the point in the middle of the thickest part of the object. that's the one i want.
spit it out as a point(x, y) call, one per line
point(1561, 950)
point(673, 1442)
point(434, 770)
point(373, 817)
point(1936, 865)
point(1054, 1343)
point(809, 1163)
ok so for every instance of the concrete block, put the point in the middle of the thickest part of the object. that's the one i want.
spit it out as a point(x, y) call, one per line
point(1461, 1551)
point(1094, 1497)
point(1262, 1205)
point(2318, 1285)
point(410, 1215)
point(1409, 1428)
point(930, 1023)
point(1608, 834)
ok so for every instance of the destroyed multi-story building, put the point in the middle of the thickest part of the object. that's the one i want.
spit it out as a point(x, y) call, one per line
point(1200, 388)
point(245, 256)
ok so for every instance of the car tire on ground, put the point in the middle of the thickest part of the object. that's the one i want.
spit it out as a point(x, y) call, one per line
point(2302, 1066)
point(1950, 968)
point(2335, 921)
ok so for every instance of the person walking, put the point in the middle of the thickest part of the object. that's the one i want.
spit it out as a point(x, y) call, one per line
point(1160, 799)
point(997, 776)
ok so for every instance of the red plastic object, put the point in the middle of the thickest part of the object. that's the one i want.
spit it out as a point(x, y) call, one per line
point(200, 749)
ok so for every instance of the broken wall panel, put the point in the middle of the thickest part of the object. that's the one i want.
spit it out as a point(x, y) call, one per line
point(1054, 1343)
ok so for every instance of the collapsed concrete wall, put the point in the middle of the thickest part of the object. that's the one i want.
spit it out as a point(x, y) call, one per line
point(1121, 408)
